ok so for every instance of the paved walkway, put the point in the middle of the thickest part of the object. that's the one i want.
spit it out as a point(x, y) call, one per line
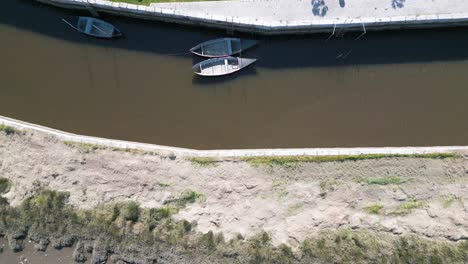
point(291, 16)
point(273, 12)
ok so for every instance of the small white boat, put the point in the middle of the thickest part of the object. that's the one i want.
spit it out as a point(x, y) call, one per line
point(222, 47)
point(221, 66)
point(95, 27)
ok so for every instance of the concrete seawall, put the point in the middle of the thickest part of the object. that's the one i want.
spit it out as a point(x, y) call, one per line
point(229, 153)
point(289, 16)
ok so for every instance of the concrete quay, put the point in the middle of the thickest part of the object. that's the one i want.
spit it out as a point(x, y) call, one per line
point(291, 16)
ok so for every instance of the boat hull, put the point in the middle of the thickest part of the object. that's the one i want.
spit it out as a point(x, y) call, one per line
point(221, 66)
point(97, 28)
point(222, 47)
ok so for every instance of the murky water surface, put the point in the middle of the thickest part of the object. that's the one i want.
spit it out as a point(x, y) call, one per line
point(31, 256)
point(385, 89)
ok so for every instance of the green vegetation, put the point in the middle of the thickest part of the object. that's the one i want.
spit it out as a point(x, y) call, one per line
point(84, 147)
point(146, 235)
point(164, 185)
point(328, 185)
point(408, 206)
point(384, 181)
point(88, 148)
point(46, 215)
point(135, 151)
point(148, 2)
point(295, 208)
point(411, 204)
point(290, 161)
point(279, 182)
point(174, 205)
point(5, 185)
point(187, 197)
point(130, 211)
point(374, 208)
point(8, 129)
point(448, 201)
point(161, 213)
point(282, 194)
point(279, 186)
point(202, 161)
point(347, 246)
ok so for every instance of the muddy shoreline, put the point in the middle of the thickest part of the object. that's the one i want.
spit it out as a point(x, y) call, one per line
point(233, 210)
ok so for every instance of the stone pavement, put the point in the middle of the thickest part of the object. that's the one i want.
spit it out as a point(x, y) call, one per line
point(273, 12)
point(290, 16)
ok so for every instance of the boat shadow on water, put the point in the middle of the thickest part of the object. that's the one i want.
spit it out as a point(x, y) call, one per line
point(273, 52)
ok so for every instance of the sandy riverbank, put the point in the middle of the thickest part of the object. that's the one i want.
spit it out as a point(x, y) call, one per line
point(423, 196)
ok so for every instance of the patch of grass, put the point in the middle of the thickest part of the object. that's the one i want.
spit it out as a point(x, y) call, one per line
point(384, 181)
point(164, 212)
point(408, 206)
point(289, 161)
point(164, 185)
point(135, 151)
point(5, 185)
point(411, 204)
point(295, 208)
point(448, 201)
point(186, 197)
point(8, 129)
point(202, 161)
point(189, 196)
point(348, 246)
point(88, 148)
point(327, 185)
point(47, 216)
point(279, 186)
point(282, 194)
point(156, 216)
point(84, 147)
point(148, 2)
point(286, 162)
point(374, 208)
point(278, 182)
point(131, 211)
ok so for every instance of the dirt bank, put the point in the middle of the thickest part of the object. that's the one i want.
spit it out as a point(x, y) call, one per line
point(290, 201)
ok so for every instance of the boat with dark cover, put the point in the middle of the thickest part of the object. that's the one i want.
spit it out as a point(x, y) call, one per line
point(222, 47)
point(94, 27)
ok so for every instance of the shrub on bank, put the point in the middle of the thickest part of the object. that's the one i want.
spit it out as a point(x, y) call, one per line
point(5, 185)
point(140, 235)
point(8, 129)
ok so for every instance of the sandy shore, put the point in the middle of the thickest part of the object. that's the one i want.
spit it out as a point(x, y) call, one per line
point(422, 196)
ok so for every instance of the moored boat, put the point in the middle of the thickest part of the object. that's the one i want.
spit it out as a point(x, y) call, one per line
point(222, 47)
point(221, 66)
point(95, 27)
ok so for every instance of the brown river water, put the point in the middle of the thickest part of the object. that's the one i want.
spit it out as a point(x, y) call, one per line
point(392, 88)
